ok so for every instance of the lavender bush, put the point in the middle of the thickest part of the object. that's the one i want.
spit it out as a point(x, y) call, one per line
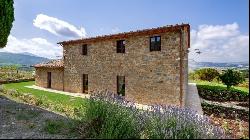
point(111, 116)
point(171, 122)
point(108, 116)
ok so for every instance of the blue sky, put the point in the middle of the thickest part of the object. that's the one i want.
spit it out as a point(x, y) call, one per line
point(218, 26)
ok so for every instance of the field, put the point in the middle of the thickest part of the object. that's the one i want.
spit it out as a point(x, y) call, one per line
point(10, 73)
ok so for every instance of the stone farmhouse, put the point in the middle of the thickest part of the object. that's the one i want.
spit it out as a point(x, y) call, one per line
point(147, 66)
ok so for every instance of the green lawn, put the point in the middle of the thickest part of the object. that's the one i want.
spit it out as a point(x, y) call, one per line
point(198, 82)
point(54, 98)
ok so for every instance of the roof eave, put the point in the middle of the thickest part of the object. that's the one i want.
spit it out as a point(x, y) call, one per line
point(126, 34)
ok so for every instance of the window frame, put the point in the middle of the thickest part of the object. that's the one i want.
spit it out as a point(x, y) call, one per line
point(157, 44)
point(120, 48)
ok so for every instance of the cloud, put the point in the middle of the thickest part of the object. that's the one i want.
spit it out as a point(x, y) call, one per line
point(219, 43)
point(58, 27)
point(37, 46)
point(115, 30)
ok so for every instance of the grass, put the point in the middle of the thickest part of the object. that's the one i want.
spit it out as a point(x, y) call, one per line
point(50, 96)
point(63, 104)
point(53, 127)
point(61, 127)
point(199, 82)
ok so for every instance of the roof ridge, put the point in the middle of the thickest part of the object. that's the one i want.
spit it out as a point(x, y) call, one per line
point(54, 63)
point(108, 36)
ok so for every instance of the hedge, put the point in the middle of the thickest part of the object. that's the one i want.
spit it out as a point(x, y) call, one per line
point(221, 94)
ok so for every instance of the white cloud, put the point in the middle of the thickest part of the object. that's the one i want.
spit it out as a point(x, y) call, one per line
point(58, 27)
point(219, 43)
point(115, 30)
point(37, 46)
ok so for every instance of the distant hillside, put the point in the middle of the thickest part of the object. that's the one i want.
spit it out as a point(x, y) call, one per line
point(21, 59)
point(194, 65)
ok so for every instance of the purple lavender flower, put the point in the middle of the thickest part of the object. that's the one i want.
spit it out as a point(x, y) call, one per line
point(157, 121)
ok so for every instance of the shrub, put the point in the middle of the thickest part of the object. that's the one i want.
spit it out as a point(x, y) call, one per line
point(218, 93)
point(244, 84)
point(111, 116)
point(245, 73)
point(53, 127)
point(193, 76)
point(169, 122)
point(107, 117)
point(231, 78)
point(207, 74)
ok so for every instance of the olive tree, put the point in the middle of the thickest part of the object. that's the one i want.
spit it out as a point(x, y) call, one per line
point(207, 74)
point(231, 78)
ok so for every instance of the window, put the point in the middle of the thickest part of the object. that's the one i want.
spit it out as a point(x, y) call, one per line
point(120, 46)
point(84, 49)
point(121, 85)
point(85, 83)
point(155, 43)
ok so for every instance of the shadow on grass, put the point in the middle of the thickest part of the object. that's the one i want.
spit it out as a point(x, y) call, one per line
point(19, 120)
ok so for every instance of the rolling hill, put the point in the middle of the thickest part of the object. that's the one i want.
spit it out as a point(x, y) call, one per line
point(20, 59)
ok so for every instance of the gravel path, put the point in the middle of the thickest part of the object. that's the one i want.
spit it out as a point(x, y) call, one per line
point(226, 104)
point(21, 121)
point(60, 92)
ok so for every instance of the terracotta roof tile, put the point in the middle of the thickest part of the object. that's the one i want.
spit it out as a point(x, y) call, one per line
point(128, 34)
point(51, 64)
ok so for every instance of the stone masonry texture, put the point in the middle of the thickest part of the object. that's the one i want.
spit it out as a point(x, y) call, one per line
point(56, 78)
point(155, 77)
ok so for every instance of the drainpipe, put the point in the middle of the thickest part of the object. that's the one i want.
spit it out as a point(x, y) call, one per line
point(181, 65)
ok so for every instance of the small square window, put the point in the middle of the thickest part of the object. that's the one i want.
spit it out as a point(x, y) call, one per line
point(84, 49)
point(155, 43)
point(120, 46)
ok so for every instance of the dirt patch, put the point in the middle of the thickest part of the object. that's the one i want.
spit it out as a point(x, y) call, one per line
point(22, 121)
point(235, 128)
point(233, 120)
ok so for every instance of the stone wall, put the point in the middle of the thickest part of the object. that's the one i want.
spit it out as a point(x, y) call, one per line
point(56, 78)
point(150, 77)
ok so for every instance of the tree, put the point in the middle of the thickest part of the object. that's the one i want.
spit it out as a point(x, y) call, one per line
point(6, 20)
point(231, 78)
point(207, 74)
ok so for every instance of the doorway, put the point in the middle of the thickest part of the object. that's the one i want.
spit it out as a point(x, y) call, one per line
point(49, 80)
point(85, 83)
